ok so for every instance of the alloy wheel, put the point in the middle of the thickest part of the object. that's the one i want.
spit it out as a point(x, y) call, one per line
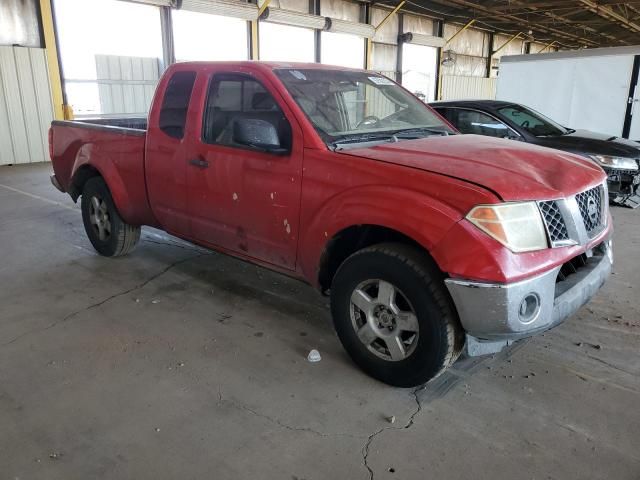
point(99, 218)
point(384, 320)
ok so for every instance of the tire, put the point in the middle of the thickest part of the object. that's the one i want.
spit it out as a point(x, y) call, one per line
point(397, 349)
point(108, 233)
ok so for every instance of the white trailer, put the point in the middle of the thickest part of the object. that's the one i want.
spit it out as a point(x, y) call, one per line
point(595, 89)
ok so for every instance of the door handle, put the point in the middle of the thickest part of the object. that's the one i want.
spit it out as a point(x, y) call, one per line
point(199, 162)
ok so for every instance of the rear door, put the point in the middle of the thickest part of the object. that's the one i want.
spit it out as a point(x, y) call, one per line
point(243, 199)
point(165, 168)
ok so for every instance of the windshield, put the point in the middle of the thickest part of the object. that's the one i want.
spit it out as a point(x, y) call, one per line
point(355, 107)
point(533, 122)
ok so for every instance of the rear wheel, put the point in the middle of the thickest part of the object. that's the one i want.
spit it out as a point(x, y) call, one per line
point(394, 316)
point(108, 233)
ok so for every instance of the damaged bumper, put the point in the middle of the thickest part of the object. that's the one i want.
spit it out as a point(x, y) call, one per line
point(623, 187)
point(494, 315)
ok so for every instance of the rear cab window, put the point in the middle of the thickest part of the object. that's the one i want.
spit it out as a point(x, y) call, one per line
point(175, 104)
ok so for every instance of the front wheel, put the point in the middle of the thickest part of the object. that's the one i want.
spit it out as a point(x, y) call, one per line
point(394, 316)
point(108, 233)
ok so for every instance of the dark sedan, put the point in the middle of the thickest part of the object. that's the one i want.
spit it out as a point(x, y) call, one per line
point(620, 158)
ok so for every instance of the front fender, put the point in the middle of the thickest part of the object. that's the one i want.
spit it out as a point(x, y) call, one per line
point(416, 215)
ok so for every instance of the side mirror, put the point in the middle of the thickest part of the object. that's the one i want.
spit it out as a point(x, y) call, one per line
point(258, 135)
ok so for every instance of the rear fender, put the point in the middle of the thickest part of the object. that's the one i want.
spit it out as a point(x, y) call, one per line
point(420, 217)
point(89, 155)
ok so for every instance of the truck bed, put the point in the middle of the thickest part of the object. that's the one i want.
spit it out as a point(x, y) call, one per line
point(116, 149)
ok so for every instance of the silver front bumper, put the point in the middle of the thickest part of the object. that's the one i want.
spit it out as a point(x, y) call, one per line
point(495, 314)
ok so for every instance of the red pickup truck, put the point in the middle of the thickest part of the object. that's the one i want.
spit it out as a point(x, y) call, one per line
point(426, 240)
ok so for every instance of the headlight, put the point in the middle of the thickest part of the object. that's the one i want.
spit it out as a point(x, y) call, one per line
point(620, 163)
point(518, 226)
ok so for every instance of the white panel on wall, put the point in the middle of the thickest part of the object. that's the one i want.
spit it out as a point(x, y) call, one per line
point(456, 87)
point(126, 84)
point(26, 108)
point(583, 92)
point(542, 85)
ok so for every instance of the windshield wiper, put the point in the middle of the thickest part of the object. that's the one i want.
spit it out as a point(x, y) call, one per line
point(413, 131)
point(393, 136)
point(350, 139)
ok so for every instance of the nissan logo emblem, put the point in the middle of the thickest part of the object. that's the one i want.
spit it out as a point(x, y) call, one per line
point(592, 210)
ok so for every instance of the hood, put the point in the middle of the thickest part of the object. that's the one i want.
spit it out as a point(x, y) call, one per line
point(513, 170)
point(586, 142)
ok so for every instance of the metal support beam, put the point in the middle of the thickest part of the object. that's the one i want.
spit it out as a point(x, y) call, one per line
point(253, 33)
point(489, 58)
point(60, 110)
point(506, 43)
point(378, 27)
point(166, 29)
point(255, 43)
point(365, 17)
point(467, 25)
point(490, 13)
point(548, 45)
point(609, 13)
point(390, 14)
point(399, 49)
point(440, 33)
point(314, 9)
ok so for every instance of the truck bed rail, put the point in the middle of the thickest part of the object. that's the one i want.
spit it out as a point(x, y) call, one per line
point(128, 126)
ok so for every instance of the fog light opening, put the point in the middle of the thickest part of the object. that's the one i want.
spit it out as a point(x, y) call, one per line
point(529, 308)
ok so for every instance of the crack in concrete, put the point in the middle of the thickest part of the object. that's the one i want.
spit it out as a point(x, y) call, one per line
point(408, 425)
point(101, 302)
point(275, 421)
point(611, 365)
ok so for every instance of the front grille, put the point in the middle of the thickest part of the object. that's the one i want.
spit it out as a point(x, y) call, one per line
point(590, 205)
point(556, 227)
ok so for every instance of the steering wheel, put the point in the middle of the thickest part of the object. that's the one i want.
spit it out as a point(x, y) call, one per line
point(525, 124)
point(367, 121)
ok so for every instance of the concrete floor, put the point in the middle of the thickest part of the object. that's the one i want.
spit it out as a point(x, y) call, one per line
point(175, 362)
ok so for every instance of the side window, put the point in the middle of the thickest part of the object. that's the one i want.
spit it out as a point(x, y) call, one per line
point(447, 113)
point(521, 118)
point(175, 104)
point(233, 98)
point(471, 121)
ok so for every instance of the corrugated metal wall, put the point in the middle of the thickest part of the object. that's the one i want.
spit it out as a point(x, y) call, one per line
point(456, 87)
point(126, 84)
point(26, 109)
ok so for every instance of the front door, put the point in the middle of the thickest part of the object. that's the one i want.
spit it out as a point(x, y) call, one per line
point(244, 199)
